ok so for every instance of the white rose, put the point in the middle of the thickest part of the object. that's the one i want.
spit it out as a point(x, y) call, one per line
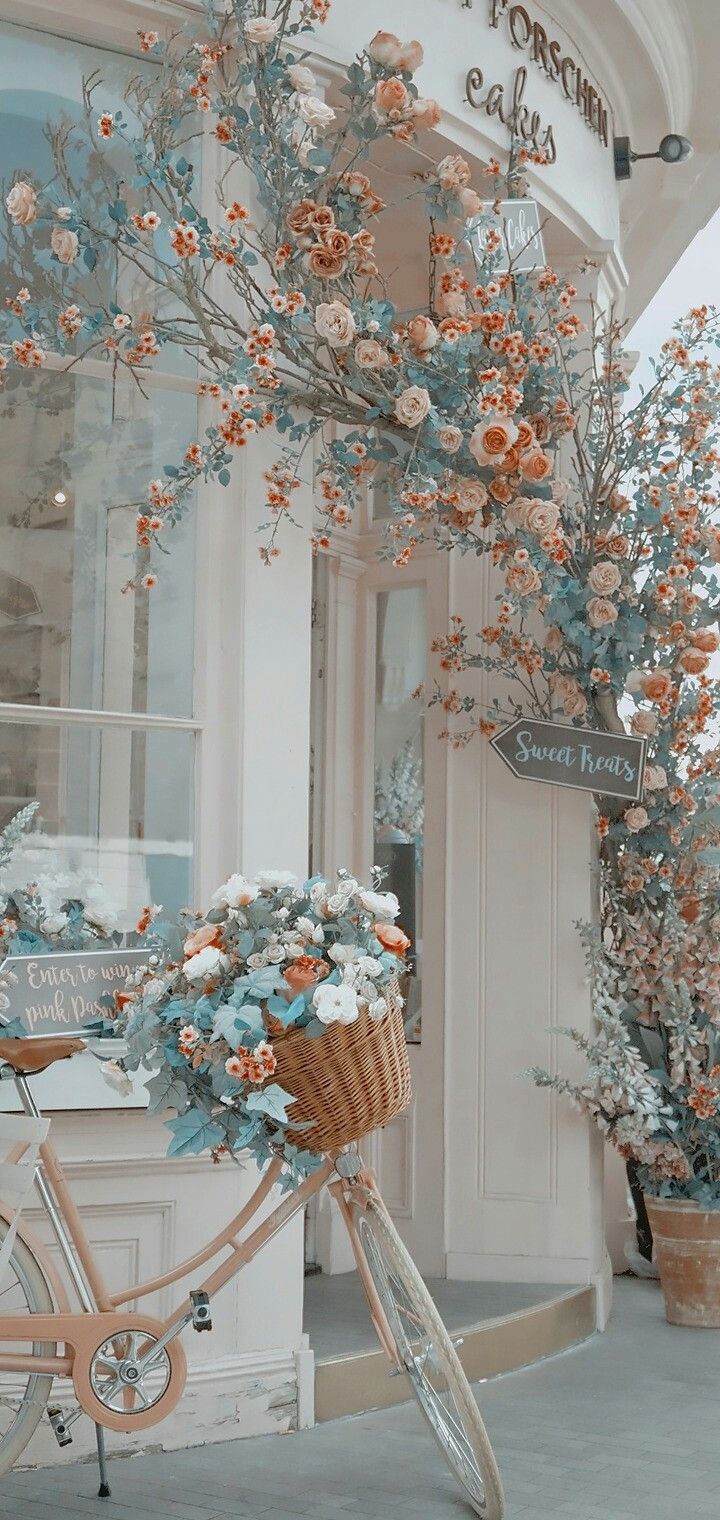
point(412, 406)
point(302, 79)
point(236, 892)
point(604, 578)
point(22, 204)
point(206, 963)
point(335, 323)
point(342, 955)
point(471, 495)
point(64, 213)
point(116, 1078)
point(64, 245)
point(257, 962)
point(314, 112)
point(305, 926)
point(276, 954)
point(541, 518)
point(336, 903)
point(274, 881)
point(369, 966)
point(378, 1009)
point(335, 1005)
point(261, 30)
point(54, 923)
point(382, 905)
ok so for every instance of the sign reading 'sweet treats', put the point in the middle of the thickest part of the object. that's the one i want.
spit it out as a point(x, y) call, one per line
point(585, 758)
point(59, 994)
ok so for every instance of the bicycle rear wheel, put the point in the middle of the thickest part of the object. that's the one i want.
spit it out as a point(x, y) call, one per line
point(23, 1397)
point(427, 1354)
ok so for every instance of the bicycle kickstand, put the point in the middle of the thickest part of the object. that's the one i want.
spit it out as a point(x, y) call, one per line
point(104, 1489)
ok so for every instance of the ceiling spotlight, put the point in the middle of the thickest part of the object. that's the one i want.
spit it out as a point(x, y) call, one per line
point(60, 498)
point(673, 149)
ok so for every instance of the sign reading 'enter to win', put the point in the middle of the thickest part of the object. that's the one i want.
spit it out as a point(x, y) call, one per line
point(584, 758)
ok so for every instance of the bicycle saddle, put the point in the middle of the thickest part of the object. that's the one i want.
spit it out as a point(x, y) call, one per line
point(34, 1055)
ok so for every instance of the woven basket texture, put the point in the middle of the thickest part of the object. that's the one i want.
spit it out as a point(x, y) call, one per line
point(346, 1081)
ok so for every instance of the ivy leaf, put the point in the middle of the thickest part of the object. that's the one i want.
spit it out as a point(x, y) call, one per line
point(192, 1133)
point(166, 1091)
point(273, 1100)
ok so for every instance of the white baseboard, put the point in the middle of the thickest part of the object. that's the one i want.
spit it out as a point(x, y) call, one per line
point(250, 1394)
point(472, 1267)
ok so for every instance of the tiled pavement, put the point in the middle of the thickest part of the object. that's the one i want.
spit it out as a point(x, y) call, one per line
point(623, 1428)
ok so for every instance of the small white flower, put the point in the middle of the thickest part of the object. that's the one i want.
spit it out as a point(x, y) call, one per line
point(369, 966)
point(305, 926)
point(54, 923)
point(257, 962)
point(236, 892)
point(208, 962)
point(4, 1002)
point(274, 881)
point(378, 1009)
point(318, 935)
point(382, 905)
point(117, 1078)
point(342, 955)
point(314, 112)
point(276, 954)
point(336, 1005)
point(302, 79)
point(64, 213)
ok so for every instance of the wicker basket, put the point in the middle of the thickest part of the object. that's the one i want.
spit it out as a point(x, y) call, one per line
point(347, 1081)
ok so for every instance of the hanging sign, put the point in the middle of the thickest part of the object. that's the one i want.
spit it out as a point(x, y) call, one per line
point(59, 994)
point(18, 599)
point(522, 241)
point(587, 759)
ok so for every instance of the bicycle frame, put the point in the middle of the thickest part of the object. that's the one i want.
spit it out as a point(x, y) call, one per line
point(103, 1316)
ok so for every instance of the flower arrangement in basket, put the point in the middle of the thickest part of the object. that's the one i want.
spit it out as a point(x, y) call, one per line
point(281, 1025)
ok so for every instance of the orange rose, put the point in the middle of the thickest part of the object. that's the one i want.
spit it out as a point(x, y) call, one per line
point(322, 218)
point(303, 972)
point(706, 640)
point(392, 938)
point(534, 465)
point(324, 264)
point(525, 436)
point(693, 662)
point(656, 685)
point(336, 241)
point(300, 217)
point(391, 96)
point(206, 934)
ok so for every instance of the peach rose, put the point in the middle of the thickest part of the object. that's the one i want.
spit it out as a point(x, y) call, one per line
point(492, 438)
point(471, 202)
point(324, 264)
point(693, 662)
point(706, 640)
point(553, 641)
point(422, 333)
point(334, 322)
point(369, 354)
point(655, 778)
point(261, 30)
point(534, 465)
point(206, 934)
point(412, 406)
point(656, 685)
point(566, 689)
point(305, 972)
point(300, 217)
point(601, 612)
point(644, 724)
point(426, 115)
point(449, 438)
point(411, 57)
point(392, 938)
point(523, 580)
point(321, 219)
point(386, 49)
point(336, 241)
point(65, 245)
point(453, 172)
point(391, 97)
point(21, 203)
point(542, 517)
point(618, 546)
point(472, 496)
point(604, 578)
point(636, 818)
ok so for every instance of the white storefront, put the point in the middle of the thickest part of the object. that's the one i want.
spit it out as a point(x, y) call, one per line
point(166, 751)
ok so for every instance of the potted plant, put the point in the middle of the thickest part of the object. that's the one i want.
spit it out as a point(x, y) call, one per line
point(652, 1083)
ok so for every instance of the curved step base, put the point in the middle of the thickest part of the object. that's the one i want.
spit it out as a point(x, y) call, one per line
point(353, 1384)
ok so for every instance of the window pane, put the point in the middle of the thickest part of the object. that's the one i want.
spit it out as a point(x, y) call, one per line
point(399, 770)
point(116, 807)
point(77, 455)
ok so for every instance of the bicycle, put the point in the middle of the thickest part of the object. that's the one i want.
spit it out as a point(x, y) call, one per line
point(128, 1369)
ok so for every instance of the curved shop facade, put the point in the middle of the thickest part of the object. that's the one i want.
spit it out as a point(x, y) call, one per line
point(159, 743)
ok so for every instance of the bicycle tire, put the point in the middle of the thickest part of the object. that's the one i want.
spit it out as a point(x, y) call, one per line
point(462, 1437)
point(24, 1278)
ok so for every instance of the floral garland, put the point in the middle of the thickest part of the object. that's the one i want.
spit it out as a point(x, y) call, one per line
point(269, 952)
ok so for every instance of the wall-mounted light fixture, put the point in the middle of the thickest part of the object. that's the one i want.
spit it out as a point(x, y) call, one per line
point(673, 150)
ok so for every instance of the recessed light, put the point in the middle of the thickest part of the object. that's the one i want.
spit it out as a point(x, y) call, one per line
point(60, 497)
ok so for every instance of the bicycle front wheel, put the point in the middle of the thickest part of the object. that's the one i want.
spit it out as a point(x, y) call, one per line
point(23, 1397)
point(427, 1354)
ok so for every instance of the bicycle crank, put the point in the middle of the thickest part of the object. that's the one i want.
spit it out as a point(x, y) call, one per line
point(133, 1378)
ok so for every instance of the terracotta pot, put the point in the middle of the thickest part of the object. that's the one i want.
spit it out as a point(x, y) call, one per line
point(687, 1251)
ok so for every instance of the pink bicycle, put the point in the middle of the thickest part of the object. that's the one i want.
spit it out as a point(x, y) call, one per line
point(128, 1370)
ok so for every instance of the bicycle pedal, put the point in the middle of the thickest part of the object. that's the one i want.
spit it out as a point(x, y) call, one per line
point(59, 1426)
point(201, 1316)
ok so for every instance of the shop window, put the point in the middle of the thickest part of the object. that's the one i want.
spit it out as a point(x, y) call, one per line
point(78, 450)
point(399, 806)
